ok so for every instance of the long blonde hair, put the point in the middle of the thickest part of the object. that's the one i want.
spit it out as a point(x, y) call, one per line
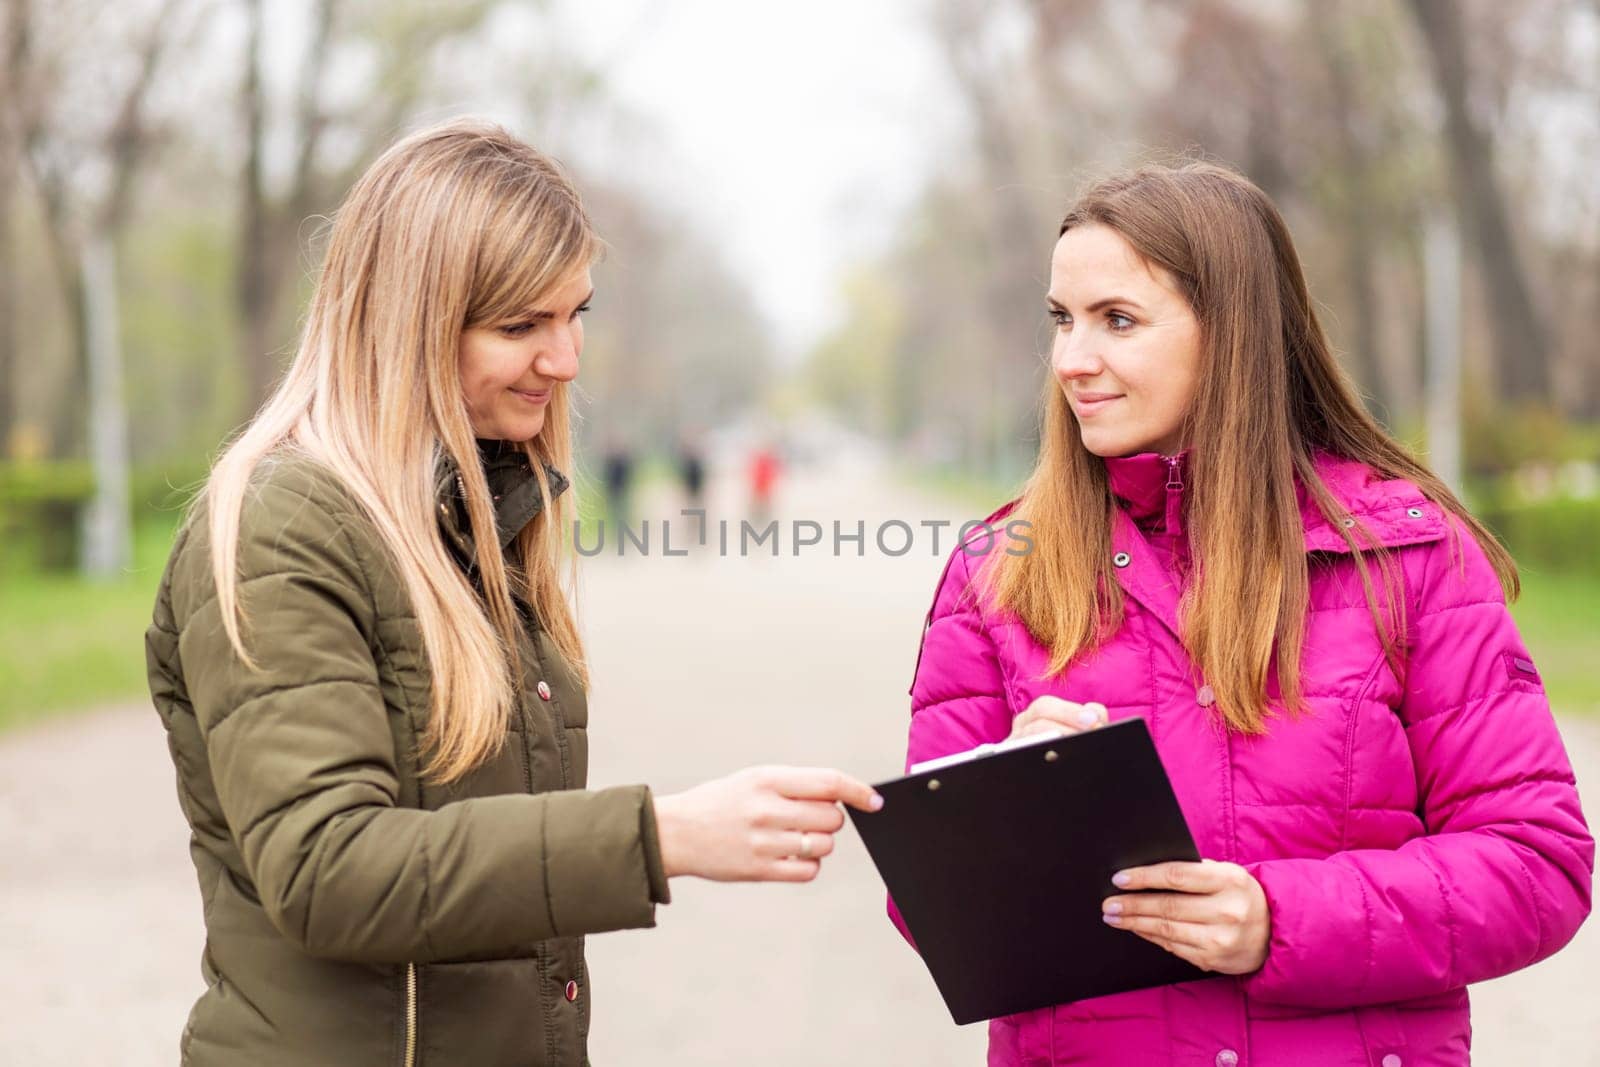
point(457, 226)
point(1271, 394)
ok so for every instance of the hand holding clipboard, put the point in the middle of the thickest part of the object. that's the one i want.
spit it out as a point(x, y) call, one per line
point(1000, 876)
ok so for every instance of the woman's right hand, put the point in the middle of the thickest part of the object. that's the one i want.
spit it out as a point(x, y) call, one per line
point(1053, 715)
point(761, 824)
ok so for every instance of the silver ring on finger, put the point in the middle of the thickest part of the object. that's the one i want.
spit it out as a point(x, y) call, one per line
point(805, 846)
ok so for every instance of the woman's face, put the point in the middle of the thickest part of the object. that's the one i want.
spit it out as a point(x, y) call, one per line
point(509, 370)
point(1127, 345)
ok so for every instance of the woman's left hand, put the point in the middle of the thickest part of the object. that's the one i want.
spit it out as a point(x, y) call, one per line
point(1212, 914)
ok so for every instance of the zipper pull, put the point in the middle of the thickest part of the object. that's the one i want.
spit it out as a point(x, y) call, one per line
point(1174, 523)
point(1174, 479)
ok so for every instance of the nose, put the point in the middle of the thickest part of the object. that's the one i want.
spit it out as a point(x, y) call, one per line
point(1075, 355)
point(559, 358)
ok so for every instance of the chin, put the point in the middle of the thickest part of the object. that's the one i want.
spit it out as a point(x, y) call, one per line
point(1110, 445)
point(1103, 444)
point(519, 431)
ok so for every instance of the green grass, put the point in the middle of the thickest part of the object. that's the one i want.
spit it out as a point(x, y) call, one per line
point(974, 493)
point(1559, 616)
point(68, 643)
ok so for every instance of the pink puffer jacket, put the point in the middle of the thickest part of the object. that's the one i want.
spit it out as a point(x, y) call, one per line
point(1413, 834)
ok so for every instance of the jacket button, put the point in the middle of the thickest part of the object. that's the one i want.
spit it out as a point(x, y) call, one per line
point(1204, 696)
point(1391, 1060)
point(1122, 559)
point(1227, 1058)
point(544, 690)
point(572, 991)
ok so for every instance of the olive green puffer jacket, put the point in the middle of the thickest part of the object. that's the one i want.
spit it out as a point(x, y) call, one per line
point(355, 914)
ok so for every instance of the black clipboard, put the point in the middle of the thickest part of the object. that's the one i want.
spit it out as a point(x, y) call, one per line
point(999, 864)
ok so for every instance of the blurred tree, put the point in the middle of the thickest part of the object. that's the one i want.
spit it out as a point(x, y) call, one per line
point(84, 168)
point(401, 37)
point(1013, 213)
point(675, 341)
point(1522, 364)
point(852, 368)
point(1355, 197)
point(14, 48)
point(1329, 107)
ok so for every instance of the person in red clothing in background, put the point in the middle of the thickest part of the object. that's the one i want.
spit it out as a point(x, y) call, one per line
point(764, 470)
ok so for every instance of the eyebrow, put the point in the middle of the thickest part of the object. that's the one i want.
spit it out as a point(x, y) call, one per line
point(1107, 301)
point(540, 316)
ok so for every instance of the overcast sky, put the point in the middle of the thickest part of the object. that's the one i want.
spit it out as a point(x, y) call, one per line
point(798, 133)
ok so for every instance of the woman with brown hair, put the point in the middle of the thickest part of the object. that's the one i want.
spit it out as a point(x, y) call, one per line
point(1314, 630)
point(370, 672)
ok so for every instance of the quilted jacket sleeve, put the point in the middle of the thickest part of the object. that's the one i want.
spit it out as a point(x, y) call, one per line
point(1502, 877)
point(958, 694)
point(304, 766)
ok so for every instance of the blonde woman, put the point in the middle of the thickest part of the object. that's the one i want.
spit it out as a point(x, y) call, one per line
point(370, 675)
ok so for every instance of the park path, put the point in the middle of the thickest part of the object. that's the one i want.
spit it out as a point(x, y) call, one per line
point(702, 665)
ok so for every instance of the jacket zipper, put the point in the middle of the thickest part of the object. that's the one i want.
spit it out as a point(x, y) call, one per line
point(1174, 495)
point(411, 1015)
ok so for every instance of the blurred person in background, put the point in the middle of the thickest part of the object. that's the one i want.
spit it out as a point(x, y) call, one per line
point(617, 470)
point(1314, 629)
point(369, 671)
point(692, 476)
point(763, 471)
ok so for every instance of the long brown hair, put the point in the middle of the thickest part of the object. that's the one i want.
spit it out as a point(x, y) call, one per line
point(457, 226)
point(1270, 395)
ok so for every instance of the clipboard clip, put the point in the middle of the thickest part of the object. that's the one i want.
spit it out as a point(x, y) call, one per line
point(989, 749)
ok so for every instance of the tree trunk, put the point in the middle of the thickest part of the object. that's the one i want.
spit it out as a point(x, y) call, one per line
point(268, 229)
point(1521, 343)
point(15, 59)
point(8, 311)
point(107, 529)
point(253, 277)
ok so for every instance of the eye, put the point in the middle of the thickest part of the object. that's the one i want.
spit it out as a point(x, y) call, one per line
point(516, 329)
point(1119, 322)
point(582, 309)
point(1060, 317)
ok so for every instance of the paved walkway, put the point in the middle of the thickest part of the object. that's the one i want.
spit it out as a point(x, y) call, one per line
point(703, 665)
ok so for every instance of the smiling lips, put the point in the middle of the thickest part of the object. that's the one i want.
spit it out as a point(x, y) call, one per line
point(539, 397)
point(1087, 404)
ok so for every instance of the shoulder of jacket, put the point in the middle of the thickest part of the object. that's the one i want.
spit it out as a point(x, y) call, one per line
point(1454, 571)
point(289, 501)
point(279, 479)
point(297, 497)
point(954, 588)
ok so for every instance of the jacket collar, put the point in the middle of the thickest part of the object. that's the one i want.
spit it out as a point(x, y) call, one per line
point(1149, 489)
point(1390, 513)
point(512, 485)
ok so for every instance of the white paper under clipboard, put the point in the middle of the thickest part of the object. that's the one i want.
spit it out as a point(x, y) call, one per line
point(987, 749)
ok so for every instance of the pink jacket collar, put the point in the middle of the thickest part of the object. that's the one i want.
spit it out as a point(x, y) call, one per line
point(1149, 488)
point(1388, 513)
